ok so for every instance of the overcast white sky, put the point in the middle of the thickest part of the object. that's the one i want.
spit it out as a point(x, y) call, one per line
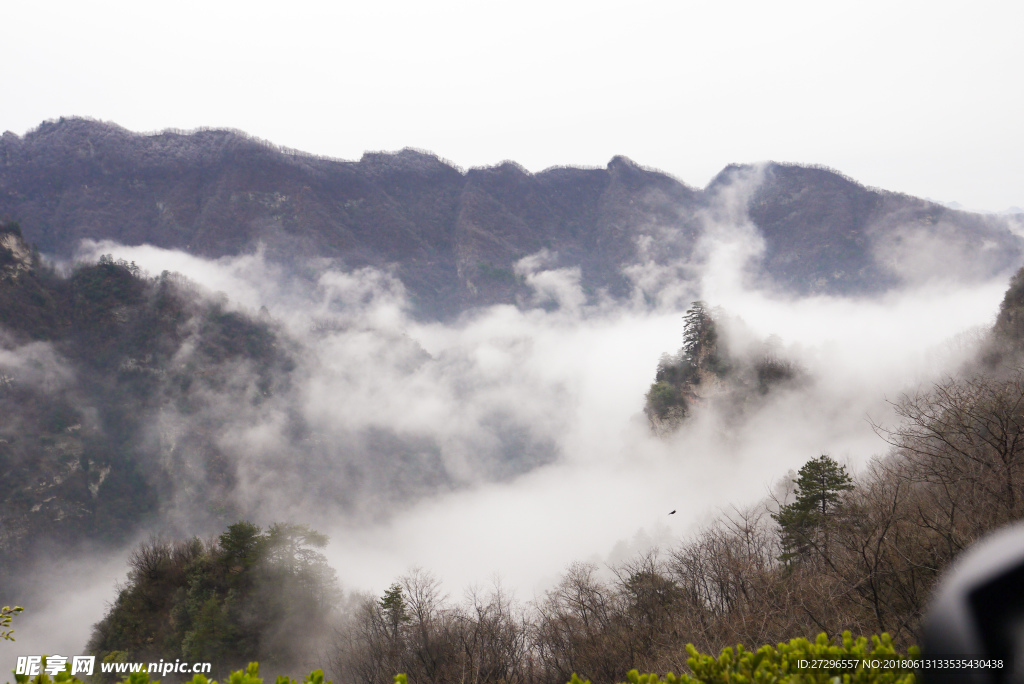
point(920, 97)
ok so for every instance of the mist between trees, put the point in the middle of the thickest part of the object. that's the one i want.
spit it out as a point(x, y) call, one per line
point(829, 552)
point(864, 561)
point(837, 553)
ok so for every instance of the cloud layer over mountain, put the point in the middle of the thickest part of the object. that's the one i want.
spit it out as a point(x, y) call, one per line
point(510, 440)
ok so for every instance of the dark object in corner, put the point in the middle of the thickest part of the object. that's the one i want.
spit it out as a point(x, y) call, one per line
point(978, 612)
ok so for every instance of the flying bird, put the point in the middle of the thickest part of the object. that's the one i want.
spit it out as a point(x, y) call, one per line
point(672, 513)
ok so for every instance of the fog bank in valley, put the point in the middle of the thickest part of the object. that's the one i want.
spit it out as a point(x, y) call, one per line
point(512, 442)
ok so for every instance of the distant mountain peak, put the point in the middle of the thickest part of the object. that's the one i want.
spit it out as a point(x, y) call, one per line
point(622, 162)
point(78, 126)
point(454, 236)
point(408, 160)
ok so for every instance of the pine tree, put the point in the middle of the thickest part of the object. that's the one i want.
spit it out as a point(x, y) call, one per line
point(394, 608)
point(819, 488)
point(699, 334)
point(677, 378)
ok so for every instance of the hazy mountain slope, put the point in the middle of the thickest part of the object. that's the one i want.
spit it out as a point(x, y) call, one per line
point(129, 401)
point(589, 218)
point(454, 237)
point(824, 233)
point(88, 364)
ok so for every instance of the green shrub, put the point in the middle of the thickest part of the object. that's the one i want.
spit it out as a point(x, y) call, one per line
point(782, 665)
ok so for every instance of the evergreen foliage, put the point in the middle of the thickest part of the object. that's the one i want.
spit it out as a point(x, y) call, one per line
point(820, 485)
point(782, 664)
point(703, 368)
point(253, 594)
point(393, 606)
point(677, 377)
point(863, 557)
point(700, 337)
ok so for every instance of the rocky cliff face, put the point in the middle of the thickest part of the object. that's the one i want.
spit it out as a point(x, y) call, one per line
point(454, 237)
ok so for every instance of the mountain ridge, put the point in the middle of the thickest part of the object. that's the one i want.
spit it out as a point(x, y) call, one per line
point(455, 236)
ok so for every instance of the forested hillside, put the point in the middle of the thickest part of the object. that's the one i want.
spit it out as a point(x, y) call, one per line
point(134, 401)
point(252, 593)
point(87, 363)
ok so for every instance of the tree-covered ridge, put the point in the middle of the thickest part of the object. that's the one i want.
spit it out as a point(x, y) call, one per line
point(88, 363)
point(704, 369)
point(455, 236)
point(253, 593)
